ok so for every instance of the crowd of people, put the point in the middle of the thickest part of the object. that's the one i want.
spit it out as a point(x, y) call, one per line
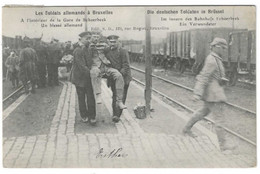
point(93, 57)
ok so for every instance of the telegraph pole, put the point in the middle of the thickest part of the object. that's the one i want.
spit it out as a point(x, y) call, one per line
point(148, 65)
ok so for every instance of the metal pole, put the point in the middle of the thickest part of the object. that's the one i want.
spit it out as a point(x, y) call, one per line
point(148, 66)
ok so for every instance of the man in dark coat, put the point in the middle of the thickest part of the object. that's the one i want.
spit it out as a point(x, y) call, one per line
point(53, 61)
point(42, 53)
point(119, 60)
point(80, 77)
point(27, 65)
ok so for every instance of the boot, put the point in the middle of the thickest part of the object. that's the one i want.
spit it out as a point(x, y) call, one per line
point(115, 119)
point(121, 105)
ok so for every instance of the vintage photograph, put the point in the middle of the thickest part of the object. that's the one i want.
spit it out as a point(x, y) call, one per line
point(129, 86)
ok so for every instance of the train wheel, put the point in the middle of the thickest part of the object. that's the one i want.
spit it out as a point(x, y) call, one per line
point(232, 76)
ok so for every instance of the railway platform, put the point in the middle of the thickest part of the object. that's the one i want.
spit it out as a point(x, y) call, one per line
point(132, 143)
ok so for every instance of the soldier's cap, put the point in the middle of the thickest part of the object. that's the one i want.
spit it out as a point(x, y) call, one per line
point(219, 41)
point(85, 33)
point(95, 32)
point(112, 37)
point(56, 40)
point(26, 39)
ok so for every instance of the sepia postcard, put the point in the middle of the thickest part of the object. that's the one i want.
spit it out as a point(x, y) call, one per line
point(129, 86)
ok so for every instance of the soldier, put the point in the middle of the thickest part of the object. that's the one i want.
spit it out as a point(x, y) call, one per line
point(119, 60)
point(209, 89)
point(27, 66)
point(80, 77)
point(12, 67)
point(42, 54)
point(54, 57)
point(102, 67)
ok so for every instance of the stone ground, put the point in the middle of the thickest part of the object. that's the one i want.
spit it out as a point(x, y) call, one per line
point(129, 145)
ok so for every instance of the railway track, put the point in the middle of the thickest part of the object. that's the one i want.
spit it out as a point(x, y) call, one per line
point(12, 94)
point(189, 109)
point(191, 90)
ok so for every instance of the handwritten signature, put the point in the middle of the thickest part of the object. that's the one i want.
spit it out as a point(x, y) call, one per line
point(115, 153)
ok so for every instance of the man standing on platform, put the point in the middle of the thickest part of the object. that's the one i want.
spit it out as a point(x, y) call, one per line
point(119, 60)
point(54, 58)
point(42, 54)
point(27, 65)
point(80, 77)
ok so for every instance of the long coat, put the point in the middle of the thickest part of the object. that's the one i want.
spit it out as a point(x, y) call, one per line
point(80, 71)
point(54, 54)
point(207, 85)
point(119, 59)
point(42, 53)
point(27, 64)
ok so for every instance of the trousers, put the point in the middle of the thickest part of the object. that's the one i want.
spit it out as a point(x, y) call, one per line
point(116, 110)
point(42, 74)
point(89, 109)
point(52, 73)
point(111, 73)
point(216, 108)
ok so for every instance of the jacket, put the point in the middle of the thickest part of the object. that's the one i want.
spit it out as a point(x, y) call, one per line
point(80, 71)
point(207, 85)
point(119, 60)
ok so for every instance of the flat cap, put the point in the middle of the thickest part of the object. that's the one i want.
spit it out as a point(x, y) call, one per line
point(219, 41)
point(85, 33)
point(95, 32)
point(112, 37)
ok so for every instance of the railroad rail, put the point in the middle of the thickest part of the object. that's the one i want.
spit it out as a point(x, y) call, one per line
point(191, 110)
point(191, 90)
point(13, 93)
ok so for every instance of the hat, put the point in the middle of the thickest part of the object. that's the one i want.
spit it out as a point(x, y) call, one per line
point(85, 33)
point(112, 37)
point(95, 33)
point(26, 39)
point(219, 41)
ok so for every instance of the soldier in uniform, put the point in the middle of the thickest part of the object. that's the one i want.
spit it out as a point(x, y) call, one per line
point(80, 77)
point(209, 89)
point(54, 57)
point(119, 60)
point(27, 66)
point(42, 54)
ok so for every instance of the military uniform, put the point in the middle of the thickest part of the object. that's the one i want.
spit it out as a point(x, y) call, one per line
point(54, 57)
point(80, 77)
point(42, 54)
point(211, 92)
point(27, 65)
point(119, 60)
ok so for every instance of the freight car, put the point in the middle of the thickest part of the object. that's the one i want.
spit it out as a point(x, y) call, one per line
point(188, 50)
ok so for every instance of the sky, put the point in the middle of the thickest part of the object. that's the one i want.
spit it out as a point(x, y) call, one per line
point(15, 20)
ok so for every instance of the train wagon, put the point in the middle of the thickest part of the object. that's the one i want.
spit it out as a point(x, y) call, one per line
point(189, 49)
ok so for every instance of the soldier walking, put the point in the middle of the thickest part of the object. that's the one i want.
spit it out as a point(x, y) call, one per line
point(209, 89)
